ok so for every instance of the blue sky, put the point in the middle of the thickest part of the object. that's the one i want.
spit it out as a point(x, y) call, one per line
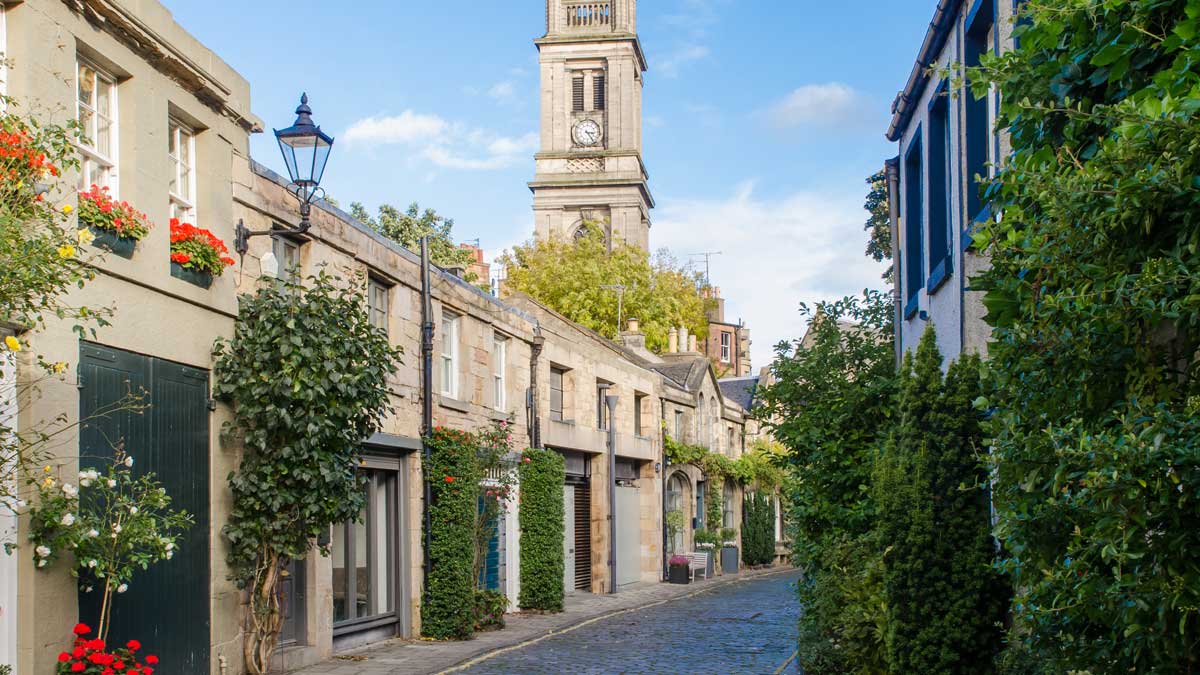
point(762, 118)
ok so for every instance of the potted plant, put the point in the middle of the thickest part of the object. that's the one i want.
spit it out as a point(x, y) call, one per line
point(197, 255)
point(116, 226)
point(729, 550)
point(678, 570)
point(706, 542)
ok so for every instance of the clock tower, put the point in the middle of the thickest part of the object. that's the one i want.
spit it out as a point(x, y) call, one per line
point(590, 169)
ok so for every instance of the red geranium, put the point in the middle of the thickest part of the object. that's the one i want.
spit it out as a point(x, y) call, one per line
point(81, 629)
point(197, 248)
point(98, 209)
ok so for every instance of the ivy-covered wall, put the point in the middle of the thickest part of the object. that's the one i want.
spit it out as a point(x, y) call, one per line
point(447, 611)
point(542, 475)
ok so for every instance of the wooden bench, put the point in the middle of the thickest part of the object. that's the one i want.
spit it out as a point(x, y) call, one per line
point(698, 562)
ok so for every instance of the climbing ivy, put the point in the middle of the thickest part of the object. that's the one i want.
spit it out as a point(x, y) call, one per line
point(453, 471)
point(1094, 303)
point(542, 476)
point(307, 375)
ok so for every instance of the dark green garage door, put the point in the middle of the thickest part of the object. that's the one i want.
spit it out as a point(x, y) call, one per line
point(166, 607)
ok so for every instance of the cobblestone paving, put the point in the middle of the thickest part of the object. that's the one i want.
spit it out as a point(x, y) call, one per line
point(745, 628)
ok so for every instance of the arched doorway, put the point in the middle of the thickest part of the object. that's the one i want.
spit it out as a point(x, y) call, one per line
point(678, 498)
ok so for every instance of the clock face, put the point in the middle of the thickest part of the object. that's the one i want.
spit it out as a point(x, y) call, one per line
point(587, 133)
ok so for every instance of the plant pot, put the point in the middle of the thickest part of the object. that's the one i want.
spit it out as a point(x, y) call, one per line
point(711, 570)
point(113, 242)
point(201, 279)
point(729, 559)
point(679, 574)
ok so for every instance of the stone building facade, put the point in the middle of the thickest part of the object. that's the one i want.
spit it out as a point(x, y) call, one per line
point(946, 138)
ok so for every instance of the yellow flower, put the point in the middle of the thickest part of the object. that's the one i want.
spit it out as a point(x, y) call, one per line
point(67, 208)
point(13, 344)
point(66, 251)
point(85, 236)
point(60, 367)
point(46, 468)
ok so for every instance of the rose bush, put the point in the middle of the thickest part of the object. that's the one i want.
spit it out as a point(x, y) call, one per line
point(93, 657)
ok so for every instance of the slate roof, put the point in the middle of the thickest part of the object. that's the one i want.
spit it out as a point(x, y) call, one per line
point(740, 390)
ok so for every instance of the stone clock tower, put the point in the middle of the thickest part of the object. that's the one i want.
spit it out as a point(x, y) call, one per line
point(590, 164)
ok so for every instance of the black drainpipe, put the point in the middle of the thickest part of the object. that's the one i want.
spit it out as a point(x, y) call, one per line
point(531, 404)
point(426, 400)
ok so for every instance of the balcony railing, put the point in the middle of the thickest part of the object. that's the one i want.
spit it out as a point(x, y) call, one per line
point(589, 14)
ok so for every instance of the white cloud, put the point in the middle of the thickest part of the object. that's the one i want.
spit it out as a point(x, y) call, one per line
point(680, 57)
point(776, 253)
point(446, 144)
point(503, 91)
point(824, 105)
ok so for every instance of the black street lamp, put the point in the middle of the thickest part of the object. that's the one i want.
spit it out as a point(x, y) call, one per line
point(305, 151)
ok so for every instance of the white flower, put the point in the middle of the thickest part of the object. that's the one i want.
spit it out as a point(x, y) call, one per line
point(87, 589)
point(92, 533)
point(69, 490)
point(129, 461)
point(42, 551)
point(83, 482)
point(92, 563)
point(133, 510)
point(116, 528)
point(68, 519)
point(170, 545)
point(122, 588)
point(42, 562)
point(170, 554)
point(111, 483)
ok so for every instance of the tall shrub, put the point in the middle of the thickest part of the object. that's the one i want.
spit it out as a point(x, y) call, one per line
point(758, 529)
point(453, 470)
point(542, 561)
point(1093, 302)
point(307, 374)
point(944, 603)
point(831, 405)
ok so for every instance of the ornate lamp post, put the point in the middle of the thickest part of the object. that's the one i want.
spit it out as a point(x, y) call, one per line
point(305, 151)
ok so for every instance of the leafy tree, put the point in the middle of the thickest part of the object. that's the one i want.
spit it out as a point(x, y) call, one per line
point(879, 223)
point(570, 276)
point(307, 374)
point(1095, 311)
point(945, 605)
point(831, 406)
point(407, 227)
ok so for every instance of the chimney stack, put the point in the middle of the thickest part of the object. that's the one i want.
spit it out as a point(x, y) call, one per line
point(673, 341)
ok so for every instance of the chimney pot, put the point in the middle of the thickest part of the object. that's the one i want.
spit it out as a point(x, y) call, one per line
point(634, 324)
point(691, 343)
point(673, 341)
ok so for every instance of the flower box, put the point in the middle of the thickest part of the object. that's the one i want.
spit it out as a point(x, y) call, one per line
point(113, 242)
point(729, 560)
point(679, 574)
point(201, 279)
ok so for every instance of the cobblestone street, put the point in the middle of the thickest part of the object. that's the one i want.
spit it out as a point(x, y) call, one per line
point(745, 628)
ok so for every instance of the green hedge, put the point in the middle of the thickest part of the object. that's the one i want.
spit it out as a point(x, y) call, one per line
point(447, 611)
point(542, 477)
point(758, 529)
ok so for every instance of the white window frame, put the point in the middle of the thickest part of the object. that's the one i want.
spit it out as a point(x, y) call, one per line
point(181, 134)
point(726, 349)
point(449, 355)
point(380, 317)
point(499, 376)
point(89, 155)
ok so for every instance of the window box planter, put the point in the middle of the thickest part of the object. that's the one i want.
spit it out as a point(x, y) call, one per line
point(729, 560)
point(113, 242)
point(679, 574)
point(201, 279)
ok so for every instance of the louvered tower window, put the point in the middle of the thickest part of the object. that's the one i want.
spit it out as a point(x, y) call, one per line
point(598, 93)
point(577, 93)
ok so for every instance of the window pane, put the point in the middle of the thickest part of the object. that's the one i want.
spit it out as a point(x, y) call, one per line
point(103, 98)
point(362, 580)
point(173, 140)
point(103, 136)
point(382, 542)
point(338, 556)
point(173, 185)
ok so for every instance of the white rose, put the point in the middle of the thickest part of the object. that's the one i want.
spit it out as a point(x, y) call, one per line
point(42, 551)
point(122, 588)
point(170, 545)
point(69, 490)
point(87, 589)
point(42, 562)
point(133, 510)
point(68, 519)
point(112, 483)
point(129, 461)
point(92, 563)
point(170, 554)
point(92, 533)
point(116, 528)
point(83, 482)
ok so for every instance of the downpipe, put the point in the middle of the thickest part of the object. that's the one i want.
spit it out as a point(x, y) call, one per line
point(426, 404)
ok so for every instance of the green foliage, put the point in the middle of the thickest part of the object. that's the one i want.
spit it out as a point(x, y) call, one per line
point(490, 607)
point(676, 521)
point(879, 223)
point(111, 523)
point(758, 467)
point(945, 605)
point(569, 277)
point(832, 405)
point(494, 452)
point(1092, 298)
point(758, 529)
point(407, 227)
point(454, 472)
point(307, 374)
point(542, 565)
